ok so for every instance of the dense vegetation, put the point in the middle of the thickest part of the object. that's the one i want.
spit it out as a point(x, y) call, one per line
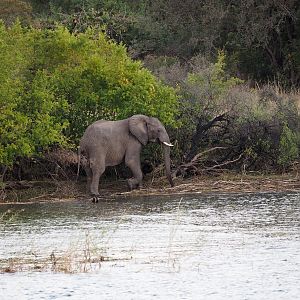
point(222, 75)
point(56, 83)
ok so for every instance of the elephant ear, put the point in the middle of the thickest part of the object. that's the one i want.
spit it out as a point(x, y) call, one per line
point(138, 128)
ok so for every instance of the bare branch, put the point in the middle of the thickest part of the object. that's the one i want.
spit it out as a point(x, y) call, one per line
point(225, 163)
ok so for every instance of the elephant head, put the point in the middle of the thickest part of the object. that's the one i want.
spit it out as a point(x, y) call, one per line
point(149, 129)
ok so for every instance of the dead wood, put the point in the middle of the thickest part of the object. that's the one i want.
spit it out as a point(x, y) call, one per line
point(198, 164)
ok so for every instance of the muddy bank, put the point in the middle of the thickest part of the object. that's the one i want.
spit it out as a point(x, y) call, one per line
point(40, 191)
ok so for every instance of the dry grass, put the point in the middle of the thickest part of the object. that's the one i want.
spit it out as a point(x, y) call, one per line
point(82, 257)
point(225, 183)
point(157, 184)
point(39, 191)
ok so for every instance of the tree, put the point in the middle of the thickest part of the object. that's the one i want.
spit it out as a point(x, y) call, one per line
point(265, 39)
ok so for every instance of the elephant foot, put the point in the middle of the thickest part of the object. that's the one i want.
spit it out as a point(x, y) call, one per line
point(133, 184)
point(95, 199)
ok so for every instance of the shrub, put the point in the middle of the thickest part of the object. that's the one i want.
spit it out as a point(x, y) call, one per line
point(99, 81)
point(28, 119)
point(56, 83)
point(245, 125)
point(288, 146)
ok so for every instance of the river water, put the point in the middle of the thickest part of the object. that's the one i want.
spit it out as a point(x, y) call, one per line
point(193, 247)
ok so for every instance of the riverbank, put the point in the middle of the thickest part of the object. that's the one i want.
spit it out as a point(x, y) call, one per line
point(41, 191)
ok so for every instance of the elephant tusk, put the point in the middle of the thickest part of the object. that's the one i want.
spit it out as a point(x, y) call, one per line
point(168, 144)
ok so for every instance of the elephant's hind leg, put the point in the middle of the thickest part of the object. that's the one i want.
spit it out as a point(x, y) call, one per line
point(97, 170)
point(88, 172)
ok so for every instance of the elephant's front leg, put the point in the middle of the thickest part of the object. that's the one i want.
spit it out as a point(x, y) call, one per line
point(132, 160)
point(136, 181)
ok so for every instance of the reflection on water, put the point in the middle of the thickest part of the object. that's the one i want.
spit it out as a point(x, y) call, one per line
point(196, 247)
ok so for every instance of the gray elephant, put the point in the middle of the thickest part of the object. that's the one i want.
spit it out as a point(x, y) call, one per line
point(108, 143)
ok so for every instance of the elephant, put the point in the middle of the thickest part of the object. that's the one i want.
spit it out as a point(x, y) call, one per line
point(108, 143)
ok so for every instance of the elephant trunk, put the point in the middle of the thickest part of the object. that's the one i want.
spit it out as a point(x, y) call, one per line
point(167, 164)
point(78, 162)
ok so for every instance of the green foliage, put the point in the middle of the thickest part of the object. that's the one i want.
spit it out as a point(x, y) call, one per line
point(261, 39)
point(28, 118)
point(205, 91)
point(213, 80)
point(251, 125)
point(56, 83)
point(99, 80)
point(264, 123)
point(288, 146)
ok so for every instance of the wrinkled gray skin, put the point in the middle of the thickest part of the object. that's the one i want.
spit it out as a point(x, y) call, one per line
point(108, 143)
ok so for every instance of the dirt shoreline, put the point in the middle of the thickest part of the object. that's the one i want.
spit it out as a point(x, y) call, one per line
point(43, 191)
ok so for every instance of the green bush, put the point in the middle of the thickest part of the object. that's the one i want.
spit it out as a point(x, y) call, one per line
point(288, 146)
point(100, 81)
point(204, 93)
point(28, 118)
point(56, 83)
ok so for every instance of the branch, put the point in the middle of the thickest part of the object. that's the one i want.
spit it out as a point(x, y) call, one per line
point(225, 163)
point(194, 159)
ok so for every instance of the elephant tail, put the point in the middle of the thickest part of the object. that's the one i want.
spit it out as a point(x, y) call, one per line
point(78, 162)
